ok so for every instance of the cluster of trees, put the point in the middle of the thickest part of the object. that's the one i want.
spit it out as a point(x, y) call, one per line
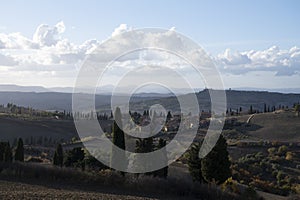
point(76, 158)
point(266, 108)
point(39, 140)
point(232, 112)
point(214, 167)
point(20, 110)
point(6, 152)
point(145, 145)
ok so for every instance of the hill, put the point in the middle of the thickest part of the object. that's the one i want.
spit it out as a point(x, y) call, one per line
point(14, 127)
point(235, 100)
point(280, 126)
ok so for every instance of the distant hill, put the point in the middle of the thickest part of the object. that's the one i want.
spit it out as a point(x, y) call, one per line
point(140, 102)
point(18, 88)
point(60, 101)
point(107, 89)
point(235, 100)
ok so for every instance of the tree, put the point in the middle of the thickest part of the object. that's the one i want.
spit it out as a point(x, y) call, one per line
point(58, 157)
point(169, 115)
point(8, 157)
point(215, 167)
point(144, 145)
point(194, 163)
point(74, 158)
point(19, 154)
point(5, 152)
point(118, 157)
point(163, 172)
point(265, 108)
point(297, 109)
point(251, 110)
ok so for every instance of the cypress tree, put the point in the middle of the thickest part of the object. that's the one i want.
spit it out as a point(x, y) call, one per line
point(194, 163)
point(251, 110)
point(58, 156)
point(8, 153)
point(162, 173)
point(19, 155)
point(265, 108)
point(117, 157)
point(215, 167)
point(2, 150)
point(144, 145)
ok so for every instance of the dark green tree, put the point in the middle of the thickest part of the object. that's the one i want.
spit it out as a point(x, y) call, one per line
point(19, 154)
point(74, 158)
point(2, 150)
point(143, 145)
point(251, 110)
point(58, 157)
point(215, 167)
point(169, 115)
point(265, 108)
point(194, 162)
point(5, 152)
point(162, 173)
point(118, 157)
point(8, 157)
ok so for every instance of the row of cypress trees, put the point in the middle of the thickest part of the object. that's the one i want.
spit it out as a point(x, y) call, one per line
point(6, 152)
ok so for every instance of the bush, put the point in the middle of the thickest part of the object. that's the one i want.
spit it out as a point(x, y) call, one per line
point(250, 194)
point(282, 150)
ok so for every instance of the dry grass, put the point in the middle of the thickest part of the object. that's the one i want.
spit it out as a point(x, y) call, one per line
point(103, 182)
point(16, 190)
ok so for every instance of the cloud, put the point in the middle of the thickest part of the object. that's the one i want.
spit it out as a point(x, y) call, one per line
point(16, 41)
point(49, 53)
point(274, 59)
point(6, 60)
point(48, 36)
point(120, 29)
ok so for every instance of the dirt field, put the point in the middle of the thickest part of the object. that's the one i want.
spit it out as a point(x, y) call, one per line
point(16, 190)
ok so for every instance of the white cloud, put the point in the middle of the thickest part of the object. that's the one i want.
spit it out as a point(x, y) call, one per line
point(283, 62)
point(48, 36)
point(16, 41)
point(49, 53)
point(121, 29)
point(6, 60)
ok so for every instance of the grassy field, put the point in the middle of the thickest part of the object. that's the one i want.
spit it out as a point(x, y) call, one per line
point(280, 126)
point(12, 127)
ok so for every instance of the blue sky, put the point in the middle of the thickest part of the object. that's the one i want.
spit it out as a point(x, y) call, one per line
point(241, 26)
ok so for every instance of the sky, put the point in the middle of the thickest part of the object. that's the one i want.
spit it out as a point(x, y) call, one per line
point(253, 43)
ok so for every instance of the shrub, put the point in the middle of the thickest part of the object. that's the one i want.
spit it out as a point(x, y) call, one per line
point(282, 150)
point(250, 194)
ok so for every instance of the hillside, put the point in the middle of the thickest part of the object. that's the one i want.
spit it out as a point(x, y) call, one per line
point(235, 100)
point(281, 126)
point(12, 127)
